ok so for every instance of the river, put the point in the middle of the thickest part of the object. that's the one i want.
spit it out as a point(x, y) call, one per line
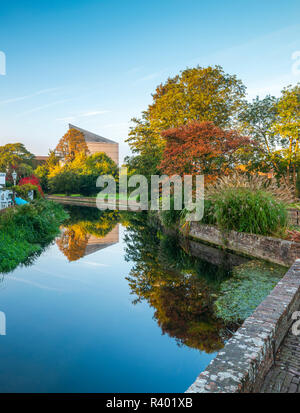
point(116, 305)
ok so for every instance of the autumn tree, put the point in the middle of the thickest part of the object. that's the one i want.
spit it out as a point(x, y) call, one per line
point(200, 148)
point(201, 94)
point(71, 144)
point(196, 94)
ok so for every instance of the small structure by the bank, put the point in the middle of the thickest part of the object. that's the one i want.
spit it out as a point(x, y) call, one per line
point(6, 196)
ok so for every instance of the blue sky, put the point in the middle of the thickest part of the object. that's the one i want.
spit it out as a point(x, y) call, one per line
point(95, 63)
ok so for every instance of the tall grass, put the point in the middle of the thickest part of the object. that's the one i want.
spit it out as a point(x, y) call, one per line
point(245, 210)
point(26, 229)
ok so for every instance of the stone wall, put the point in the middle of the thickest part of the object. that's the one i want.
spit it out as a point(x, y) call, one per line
point(240, 367)
point(268, 248)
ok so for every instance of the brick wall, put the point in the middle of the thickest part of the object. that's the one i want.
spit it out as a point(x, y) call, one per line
point(268, 248)
point(241, 366)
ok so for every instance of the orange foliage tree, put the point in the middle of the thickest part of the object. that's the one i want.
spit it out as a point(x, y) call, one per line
point(200, 147)
point(71, 144)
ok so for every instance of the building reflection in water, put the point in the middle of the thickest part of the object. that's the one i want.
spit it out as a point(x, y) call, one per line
point(87, 231)
point(95, 244)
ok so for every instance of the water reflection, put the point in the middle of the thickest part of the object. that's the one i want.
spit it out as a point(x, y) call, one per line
point(75, 328)
point(197, 292)
point(200, 294)
point(87, 231)
point(180, 287)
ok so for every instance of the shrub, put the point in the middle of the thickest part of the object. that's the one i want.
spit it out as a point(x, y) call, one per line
point(245, 210)
point(66, 182)
point(33, 180)
point(24, 231)
point(87, 185)
point(22, 191)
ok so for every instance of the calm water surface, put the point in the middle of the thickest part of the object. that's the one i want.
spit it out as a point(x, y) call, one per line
point(104, 309)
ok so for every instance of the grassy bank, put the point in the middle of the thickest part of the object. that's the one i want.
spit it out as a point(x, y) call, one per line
point(26, 229)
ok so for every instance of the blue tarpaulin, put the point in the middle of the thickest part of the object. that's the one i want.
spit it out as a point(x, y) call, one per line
point(20, 201)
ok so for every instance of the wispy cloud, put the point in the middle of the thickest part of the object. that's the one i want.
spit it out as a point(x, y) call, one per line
point(94, 113)
point(20, 98)
point(95, 264)
point(87, 114)
point(34, 284)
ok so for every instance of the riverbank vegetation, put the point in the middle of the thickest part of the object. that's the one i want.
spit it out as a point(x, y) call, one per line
point(252, 204)
point(25, 230)
point(255, 205)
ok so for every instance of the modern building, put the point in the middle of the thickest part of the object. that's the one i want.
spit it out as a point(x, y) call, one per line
point(97, 143)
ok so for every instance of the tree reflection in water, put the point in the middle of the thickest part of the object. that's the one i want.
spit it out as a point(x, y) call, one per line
point(200, 294)
point(84, 223)
point(175, 284)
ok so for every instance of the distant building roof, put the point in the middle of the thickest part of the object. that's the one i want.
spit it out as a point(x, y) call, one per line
point(91, 137)
point(41, 158)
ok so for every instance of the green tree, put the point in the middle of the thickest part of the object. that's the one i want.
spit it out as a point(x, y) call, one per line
point(256, 120)
point(16, 156)
point(65, 182)
point(100, 164)
point(287, 125)
point(42, 171)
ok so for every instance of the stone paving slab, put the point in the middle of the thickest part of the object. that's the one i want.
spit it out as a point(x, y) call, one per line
point(284, 375)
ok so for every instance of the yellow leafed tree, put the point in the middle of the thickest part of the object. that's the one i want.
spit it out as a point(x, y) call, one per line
point(70, 145)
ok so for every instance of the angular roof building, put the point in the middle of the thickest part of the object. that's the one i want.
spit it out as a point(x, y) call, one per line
point(97, 143)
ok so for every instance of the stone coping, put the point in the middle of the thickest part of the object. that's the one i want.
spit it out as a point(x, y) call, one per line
point(271, 249)
point(91, 202)
point(240, 367)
